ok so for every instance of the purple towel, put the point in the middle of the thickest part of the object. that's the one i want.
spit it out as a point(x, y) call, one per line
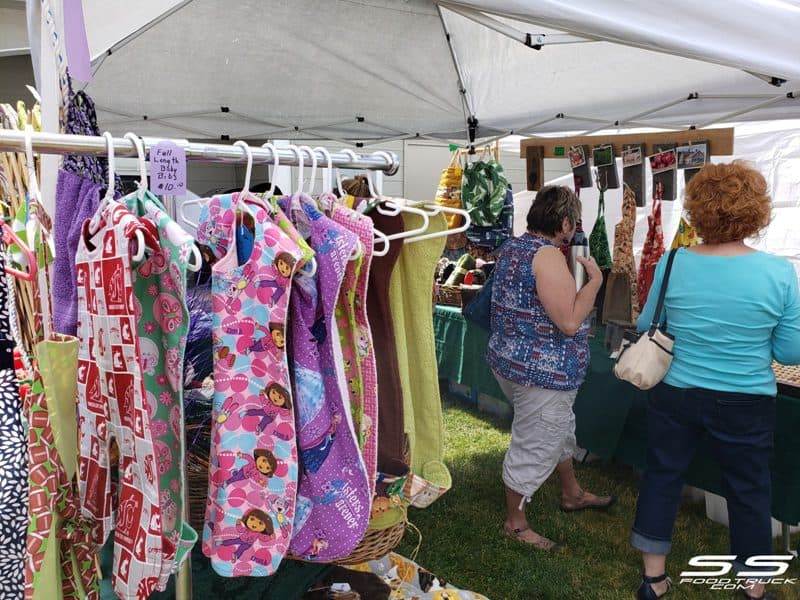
point(77, 199)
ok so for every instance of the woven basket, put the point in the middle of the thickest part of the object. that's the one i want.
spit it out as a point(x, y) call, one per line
point(789, 375)
point(449, 295)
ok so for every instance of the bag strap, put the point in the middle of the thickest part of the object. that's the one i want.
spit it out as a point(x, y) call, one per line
point(662, 292)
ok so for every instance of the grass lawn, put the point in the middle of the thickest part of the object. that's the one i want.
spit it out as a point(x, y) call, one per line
point(463, 540)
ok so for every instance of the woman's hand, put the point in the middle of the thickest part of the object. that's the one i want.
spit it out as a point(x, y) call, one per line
point(593, 272)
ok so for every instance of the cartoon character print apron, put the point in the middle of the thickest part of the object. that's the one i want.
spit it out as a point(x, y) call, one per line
point(253, 471)
point(333, 492)
point(111, 405)
point(356, 337)
point(160, 290)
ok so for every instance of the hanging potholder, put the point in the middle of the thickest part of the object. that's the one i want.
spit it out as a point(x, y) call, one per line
point(483, 192)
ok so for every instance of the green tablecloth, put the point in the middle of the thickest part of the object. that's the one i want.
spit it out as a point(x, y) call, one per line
point(610, 414)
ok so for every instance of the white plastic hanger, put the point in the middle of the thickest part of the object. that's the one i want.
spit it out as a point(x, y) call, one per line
point(313, 158)
point(141, 188)
point(327, 179)
point(275, 165)
point(393, 206)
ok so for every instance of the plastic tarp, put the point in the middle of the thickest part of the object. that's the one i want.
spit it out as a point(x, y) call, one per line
point(380, 69)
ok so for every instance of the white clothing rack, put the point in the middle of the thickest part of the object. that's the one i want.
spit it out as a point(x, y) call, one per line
point(59, 143)
point(66, 144)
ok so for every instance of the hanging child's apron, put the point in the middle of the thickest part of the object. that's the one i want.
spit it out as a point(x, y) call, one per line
point(160, 287)
point(253, 457)
point(333, 480)
point(356, 338)
point(652, 250)
point(111, 405)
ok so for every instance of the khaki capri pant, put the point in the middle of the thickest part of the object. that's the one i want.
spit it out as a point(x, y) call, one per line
point(542, 434)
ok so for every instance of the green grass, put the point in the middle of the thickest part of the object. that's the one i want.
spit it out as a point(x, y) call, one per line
point(462, 539)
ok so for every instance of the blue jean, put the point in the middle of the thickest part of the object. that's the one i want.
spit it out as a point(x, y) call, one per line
point(740, 430)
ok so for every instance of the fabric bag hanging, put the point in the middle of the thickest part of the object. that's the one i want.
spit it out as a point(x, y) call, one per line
point(686, 235)
point(598, 246)
point(653, 248)
point(483, 192)
point(449, 191)
point(621, 303)
point(479, 309)
point(645, 361)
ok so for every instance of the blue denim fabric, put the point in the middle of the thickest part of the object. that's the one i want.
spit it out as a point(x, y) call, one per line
point(740, 431)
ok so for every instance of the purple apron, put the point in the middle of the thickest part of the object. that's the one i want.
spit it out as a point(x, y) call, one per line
point(333, 502)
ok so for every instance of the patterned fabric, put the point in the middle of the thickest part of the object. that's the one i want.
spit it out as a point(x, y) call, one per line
point(253, 470)
point(449, 192)
point(622, 301)
point(111, 405)
point(483, 192)
point(356, 337)
point(686, 235)
point(410, 581)
point(598, 239)
point(13, 493)
point(652, 250)
point(160, 289)
point(525, 345)
point(333, 490)
point(54, 506)
point(493, 236)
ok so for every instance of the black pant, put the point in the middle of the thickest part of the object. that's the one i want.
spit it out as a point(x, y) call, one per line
point(740, 428)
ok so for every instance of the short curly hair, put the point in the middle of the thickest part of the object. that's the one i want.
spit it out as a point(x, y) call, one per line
point(728, 202)
point(551, 204)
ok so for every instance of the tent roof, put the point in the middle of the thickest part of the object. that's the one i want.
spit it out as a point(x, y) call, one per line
point(372, 70)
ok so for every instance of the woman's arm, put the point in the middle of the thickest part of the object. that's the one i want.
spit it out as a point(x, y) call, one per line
point(556, 288)
point(786, 335)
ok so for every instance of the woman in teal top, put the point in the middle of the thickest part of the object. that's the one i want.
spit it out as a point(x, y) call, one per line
point(731, 310)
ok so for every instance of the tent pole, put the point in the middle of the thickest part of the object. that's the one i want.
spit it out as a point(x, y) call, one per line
point(467, 105)
point(638, 115)
point(764, 104)
point(57, 143)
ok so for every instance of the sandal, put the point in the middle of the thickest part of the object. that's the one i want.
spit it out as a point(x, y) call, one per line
point(541, 544)
point(645, 591)
point(601, 503)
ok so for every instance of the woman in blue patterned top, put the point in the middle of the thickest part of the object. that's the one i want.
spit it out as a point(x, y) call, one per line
point(539, 352)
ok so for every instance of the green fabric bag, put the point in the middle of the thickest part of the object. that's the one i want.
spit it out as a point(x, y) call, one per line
point(483, 192)
point(598, 239)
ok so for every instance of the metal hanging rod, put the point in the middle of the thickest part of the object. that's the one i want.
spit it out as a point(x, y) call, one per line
point(59, 143)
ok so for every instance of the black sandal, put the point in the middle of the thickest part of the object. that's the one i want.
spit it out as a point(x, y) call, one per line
point(645, 592)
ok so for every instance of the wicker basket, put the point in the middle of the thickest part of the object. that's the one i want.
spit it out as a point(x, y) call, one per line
point(449, 295)
point(788, 375)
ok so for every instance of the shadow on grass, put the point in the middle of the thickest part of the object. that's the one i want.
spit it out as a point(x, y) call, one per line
point(462, 538)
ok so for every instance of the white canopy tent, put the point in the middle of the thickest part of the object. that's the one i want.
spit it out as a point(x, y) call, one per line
point(373, 70)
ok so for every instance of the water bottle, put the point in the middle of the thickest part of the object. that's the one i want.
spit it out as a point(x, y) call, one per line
point(578, 247)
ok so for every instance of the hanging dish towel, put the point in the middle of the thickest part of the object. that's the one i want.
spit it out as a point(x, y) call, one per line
point(333, 485)
point(77, 199)
point(652, 250)
point(253, 470)
point(160, 288)
point(356, 337)
point(412, 315)
point(621, 301)
point(111, 404)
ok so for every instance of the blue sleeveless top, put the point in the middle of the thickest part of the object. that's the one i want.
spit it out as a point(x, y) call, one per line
point(525, 346)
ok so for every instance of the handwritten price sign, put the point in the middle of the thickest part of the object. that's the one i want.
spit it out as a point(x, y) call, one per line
point(168, 169)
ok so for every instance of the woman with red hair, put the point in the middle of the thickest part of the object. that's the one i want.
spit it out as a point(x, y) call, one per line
point(732, 310)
